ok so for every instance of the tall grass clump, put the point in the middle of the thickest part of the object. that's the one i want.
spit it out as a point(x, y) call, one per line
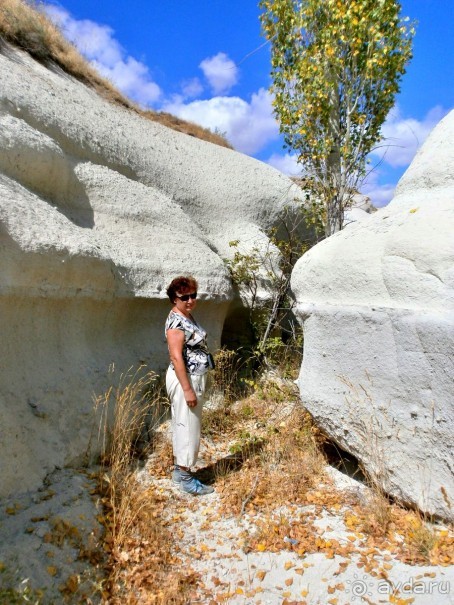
point(226, 379)
point(422, 536)
point(138, 543)
point(125, 411)
point(228, 384)
point(281, 459)
point(288, 465)
point(28, 28)
point(292, 459)
point(24, 24)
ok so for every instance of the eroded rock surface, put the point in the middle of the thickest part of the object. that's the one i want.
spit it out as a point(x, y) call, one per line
point(99, 209)
point(377, 302)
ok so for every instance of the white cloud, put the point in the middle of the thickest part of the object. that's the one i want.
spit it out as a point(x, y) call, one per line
point(192, 88)
point(285, 163)
point(97, 43)
point(404, 136)
point(131, 77)
point(380, 195)
point(221, 73)
point(248, 126)
point(93, 40)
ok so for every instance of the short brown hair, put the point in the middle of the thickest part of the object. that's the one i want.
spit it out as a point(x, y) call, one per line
point(182, 284)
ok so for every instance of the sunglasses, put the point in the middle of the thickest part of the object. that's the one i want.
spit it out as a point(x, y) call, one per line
point(186, 297)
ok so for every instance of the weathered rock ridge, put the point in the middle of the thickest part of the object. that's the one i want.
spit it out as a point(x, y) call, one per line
point(377, 302)
point(99, 209)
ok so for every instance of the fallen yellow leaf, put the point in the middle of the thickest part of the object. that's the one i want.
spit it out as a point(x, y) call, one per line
point(329, 554)
point(72, 583)
point(10, 510)
point(398, 601)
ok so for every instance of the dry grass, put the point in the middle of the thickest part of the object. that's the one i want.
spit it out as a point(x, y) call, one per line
point(423, 537)
point(378, 512)
point(281, 462)
point(227, 375)
point(142, 571)
point(25, 25)
point(189, 128)
point(124, 412)
point(221, 417)
point(274, 463)
point(282, 465)
point(137, 540)
point(273, 454)
point(410, 533)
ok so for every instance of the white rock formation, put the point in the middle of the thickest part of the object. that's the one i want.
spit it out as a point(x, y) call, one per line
point(377, 301)
point(359, 210)
point(99, 209)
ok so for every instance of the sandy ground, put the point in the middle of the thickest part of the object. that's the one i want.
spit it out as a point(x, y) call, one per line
point(216, 547)
point(49, 539)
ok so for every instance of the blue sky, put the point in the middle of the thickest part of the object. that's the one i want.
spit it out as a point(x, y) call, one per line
point(205, 61)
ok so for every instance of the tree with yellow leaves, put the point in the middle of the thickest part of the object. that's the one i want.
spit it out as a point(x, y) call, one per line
point(336, 68)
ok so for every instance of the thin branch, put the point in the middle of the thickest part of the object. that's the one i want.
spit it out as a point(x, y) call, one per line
point(251, 494)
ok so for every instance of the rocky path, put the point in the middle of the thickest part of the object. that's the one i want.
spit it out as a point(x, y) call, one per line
point(255, 553)
point(50, 541)
point(307, 555)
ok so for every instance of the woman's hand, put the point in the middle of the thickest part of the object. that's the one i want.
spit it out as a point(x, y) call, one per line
point(191, 397)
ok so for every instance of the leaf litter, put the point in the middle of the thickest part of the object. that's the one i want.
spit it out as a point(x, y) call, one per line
point(277, 529)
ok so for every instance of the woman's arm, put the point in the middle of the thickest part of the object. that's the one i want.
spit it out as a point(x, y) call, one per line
point(175, 341)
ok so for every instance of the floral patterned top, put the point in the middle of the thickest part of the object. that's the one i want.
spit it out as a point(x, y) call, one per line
point(195, 350)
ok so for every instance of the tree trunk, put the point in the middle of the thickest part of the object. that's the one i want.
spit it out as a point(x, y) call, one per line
point(333, 177)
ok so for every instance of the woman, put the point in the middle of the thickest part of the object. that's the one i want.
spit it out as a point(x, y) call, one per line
point(186, 381)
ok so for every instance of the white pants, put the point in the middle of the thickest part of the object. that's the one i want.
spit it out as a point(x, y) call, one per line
point(186, 421)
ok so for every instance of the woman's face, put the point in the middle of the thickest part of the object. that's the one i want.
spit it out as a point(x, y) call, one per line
point(186, 306)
